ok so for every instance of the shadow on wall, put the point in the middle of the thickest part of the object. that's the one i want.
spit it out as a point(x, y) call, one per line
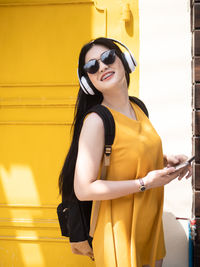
point(176, 242)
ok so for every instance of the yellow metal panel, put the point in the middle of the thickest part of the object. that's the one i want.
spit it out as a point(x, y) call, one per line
point(43, 41)
point(39, 45)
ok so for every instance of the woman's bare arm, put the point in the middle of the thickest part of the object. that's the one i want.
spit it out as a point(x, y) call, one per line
point(90, 151)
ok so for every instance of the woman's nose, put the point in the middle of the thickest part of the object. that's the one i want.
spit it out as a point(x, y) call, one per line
point(102, 66)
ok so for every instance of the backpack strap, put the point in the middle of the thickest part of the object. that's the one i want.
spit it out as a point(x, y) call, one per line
point(109, 129)
point(140, 104)
point(109, 132)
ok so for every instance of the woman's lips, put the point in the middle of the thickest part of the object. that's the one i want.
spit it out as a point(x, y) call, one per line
point(107, 75)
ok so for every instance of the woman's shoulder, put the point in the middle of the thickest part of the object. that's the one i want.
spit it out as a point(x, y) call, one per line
point(92, 132)
point(93, 121)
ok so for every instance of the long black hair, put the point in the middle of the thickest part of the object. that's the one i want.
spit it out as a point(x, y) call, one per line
point(83, 103)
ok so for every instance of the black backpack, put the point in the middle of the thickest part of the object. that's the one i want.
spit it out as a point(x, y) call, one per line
point(74, 216)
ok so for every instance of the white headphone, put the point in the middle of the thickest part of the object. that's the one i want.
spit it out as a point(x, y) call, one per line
point(128, 59)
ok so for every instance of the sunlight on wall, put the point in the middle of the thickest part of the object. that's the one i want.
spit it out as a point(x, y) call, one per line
point(31, 254)
point(19, 188)
point(19, 185)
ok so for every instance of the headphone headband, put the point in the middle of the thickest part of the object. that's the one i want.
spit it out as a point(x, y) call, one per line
point(116, 41)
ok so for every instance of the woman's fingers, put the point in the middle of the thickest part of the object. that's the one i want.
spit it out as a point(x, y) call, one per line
point(186, 171)
point(172, 160)
point(181, 158)
point(167, 171)
point(178, 173)
point(183, 172)
point(168, 174)
point(175, 160)
point(164, 176)
point(189, 174)
point(173, 175)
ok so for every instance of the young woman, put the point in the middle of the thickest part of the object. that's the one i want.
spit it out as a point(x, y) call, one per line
point(129, 230)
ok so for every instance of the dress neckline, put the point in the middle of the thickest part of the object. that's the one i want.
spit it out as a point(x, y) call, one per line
point(123, 115)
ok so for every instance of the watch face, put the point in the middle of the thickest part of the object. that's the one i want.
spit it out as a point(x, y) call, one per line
point(142, 188)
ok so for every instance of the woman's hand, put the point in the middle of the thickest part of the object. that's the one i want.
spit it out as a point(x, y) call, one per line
point(186, 171)
point(172, 161)
point(161, 177)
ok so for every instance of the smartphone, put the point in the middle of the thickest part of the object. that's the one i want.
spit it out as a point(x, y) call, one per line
point(184, 164)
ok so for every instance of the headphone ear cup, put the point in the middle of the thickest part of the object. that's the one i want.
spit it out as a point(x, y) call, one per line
point(86, 87)
point(130, 60)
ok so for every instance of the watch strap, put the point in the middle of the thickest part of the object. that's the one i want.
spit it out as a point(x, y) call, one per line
point(142, 187)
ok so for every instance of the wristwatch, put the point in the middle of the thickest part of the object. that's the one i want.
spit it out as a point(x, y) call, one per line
point(142, 187)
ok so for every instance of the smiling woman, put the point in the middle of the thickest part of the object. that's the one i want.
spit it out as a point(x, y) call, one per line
point(109, 72)
point(129, 229)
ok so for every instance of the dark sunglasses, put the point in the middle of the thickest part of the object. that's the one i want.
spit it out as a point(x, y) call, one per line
point(107, 57)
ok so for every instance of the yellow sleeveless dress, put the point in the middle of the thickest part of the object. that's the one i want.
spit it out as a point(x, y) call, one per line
point(129, 231)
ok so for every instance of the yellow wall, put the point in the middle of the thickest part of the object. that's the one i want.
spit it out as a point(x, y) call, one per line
point(39, 46)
